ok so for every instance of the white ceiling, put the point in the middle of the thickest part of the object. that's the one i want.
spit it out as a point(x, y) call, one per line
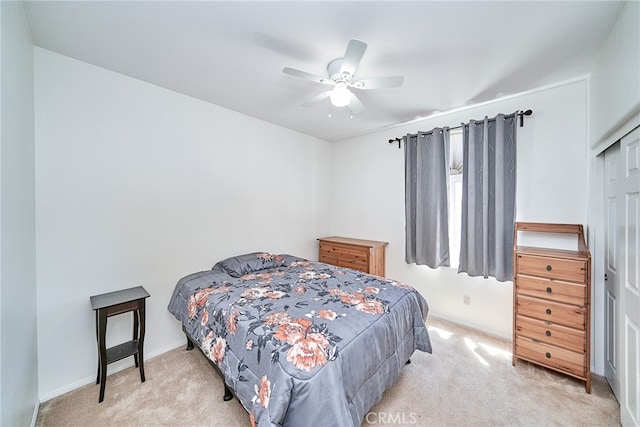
point(231, 53)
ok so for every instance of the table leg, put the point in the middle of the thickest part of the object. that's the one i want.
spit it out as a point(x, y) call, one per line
point(136, 316)
point(102, 331)
point(141, 339)
point(98, 343)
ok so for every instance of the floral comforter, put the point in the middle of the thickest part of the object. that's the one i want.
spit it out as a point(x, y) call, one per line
point(301, 342)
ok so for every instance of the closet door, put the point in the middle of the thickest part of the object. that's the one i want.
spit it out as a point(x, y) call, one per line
point(629, 278)
point(612, 171)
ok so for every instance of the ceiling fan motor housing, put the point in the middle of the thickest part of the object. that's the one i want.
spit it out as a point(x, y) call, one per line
point(333, 70)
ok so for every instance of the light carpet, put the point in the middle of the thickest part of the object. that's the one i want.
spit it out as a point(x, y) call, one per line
point(467, 381)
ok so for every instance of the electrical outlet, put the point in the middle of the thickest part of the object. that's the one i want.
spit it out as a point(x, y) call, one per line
point(467, 300)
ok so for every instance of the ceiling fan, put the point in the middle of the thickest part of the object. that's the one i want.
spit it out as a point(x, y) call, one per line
point(341, 74)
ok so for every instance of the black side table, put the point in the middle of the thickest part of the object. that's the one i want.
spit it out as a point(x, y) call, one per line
point(111, 304)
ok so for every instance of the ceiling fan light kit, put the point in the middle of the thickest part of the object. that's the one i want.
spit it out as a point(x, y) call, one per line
point(341, 74)
point(340, 95)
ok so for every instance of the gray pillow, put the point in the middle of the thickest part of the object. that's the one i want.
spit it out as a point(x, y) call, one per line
point(244, 264)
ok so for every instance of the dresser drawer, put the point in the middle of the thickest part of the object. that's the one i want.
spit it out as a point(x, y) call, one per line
point(551, 333)
point(345, 256)
point(552, 268)
point(570, 293)
point(551, 356)
point(562, 314)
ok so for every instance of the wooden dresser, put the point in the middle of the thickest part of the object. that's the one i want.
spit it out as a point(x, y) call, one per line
point(551, 300)
point(363, 255)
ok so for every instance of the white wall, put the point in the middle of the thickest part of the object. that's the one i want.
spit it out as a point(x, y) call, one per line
point(367, 195)
point(138, 185)
point(614, 112)
point(615, 80)
point(18, 348)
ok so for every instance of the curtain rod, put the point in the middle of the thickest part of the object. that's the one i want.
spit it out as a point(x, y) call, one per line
point(520, 114)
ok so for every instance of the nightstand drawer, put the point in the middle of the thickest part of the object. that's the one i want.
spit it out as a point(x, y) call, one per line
point(570, 293)
point(357, 258)
point(551, 333)
point(335, 250)
point(544, 354)
point(552, 268)
point(341, 263)
point(562, 314)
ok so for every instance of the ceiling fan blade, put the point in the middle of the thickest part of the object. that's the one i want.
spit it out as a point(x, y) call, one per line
point(352, 56)
point(378, 82)
point(355, 105)
point(316, 99)
point(306, 76)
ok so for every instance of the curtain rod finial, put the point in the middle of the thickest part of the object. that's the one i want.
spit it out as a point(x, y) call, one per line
point(522, 114)
point(398, 140)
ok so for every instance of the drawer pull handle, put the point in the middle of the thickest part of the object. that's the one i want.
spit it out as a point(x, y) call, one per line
point(548, 355)
point(549, 268)
point(548, 333)
point(548, 311)
point(549, 290)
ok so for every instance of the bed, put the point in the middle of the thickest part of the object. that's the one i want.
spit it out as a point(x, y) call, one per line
point(301, 342)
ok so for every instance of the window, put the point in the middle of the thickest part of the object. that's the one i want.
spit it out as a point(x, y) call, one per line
point(455, 195)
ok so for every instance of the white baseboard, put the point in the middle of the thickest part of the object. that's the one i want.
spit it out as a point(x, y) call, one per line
point(471, 325)
point(34, 417)
point(113, 368)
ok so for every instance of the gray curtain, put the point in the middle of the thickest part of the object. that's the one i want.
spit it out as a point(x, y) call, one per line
point(426, 193)
point(489, 197)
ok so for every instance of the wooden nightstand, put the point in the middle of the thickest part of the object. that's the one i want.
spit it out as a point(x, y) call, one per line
point(363, 255)
point(111, 304)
